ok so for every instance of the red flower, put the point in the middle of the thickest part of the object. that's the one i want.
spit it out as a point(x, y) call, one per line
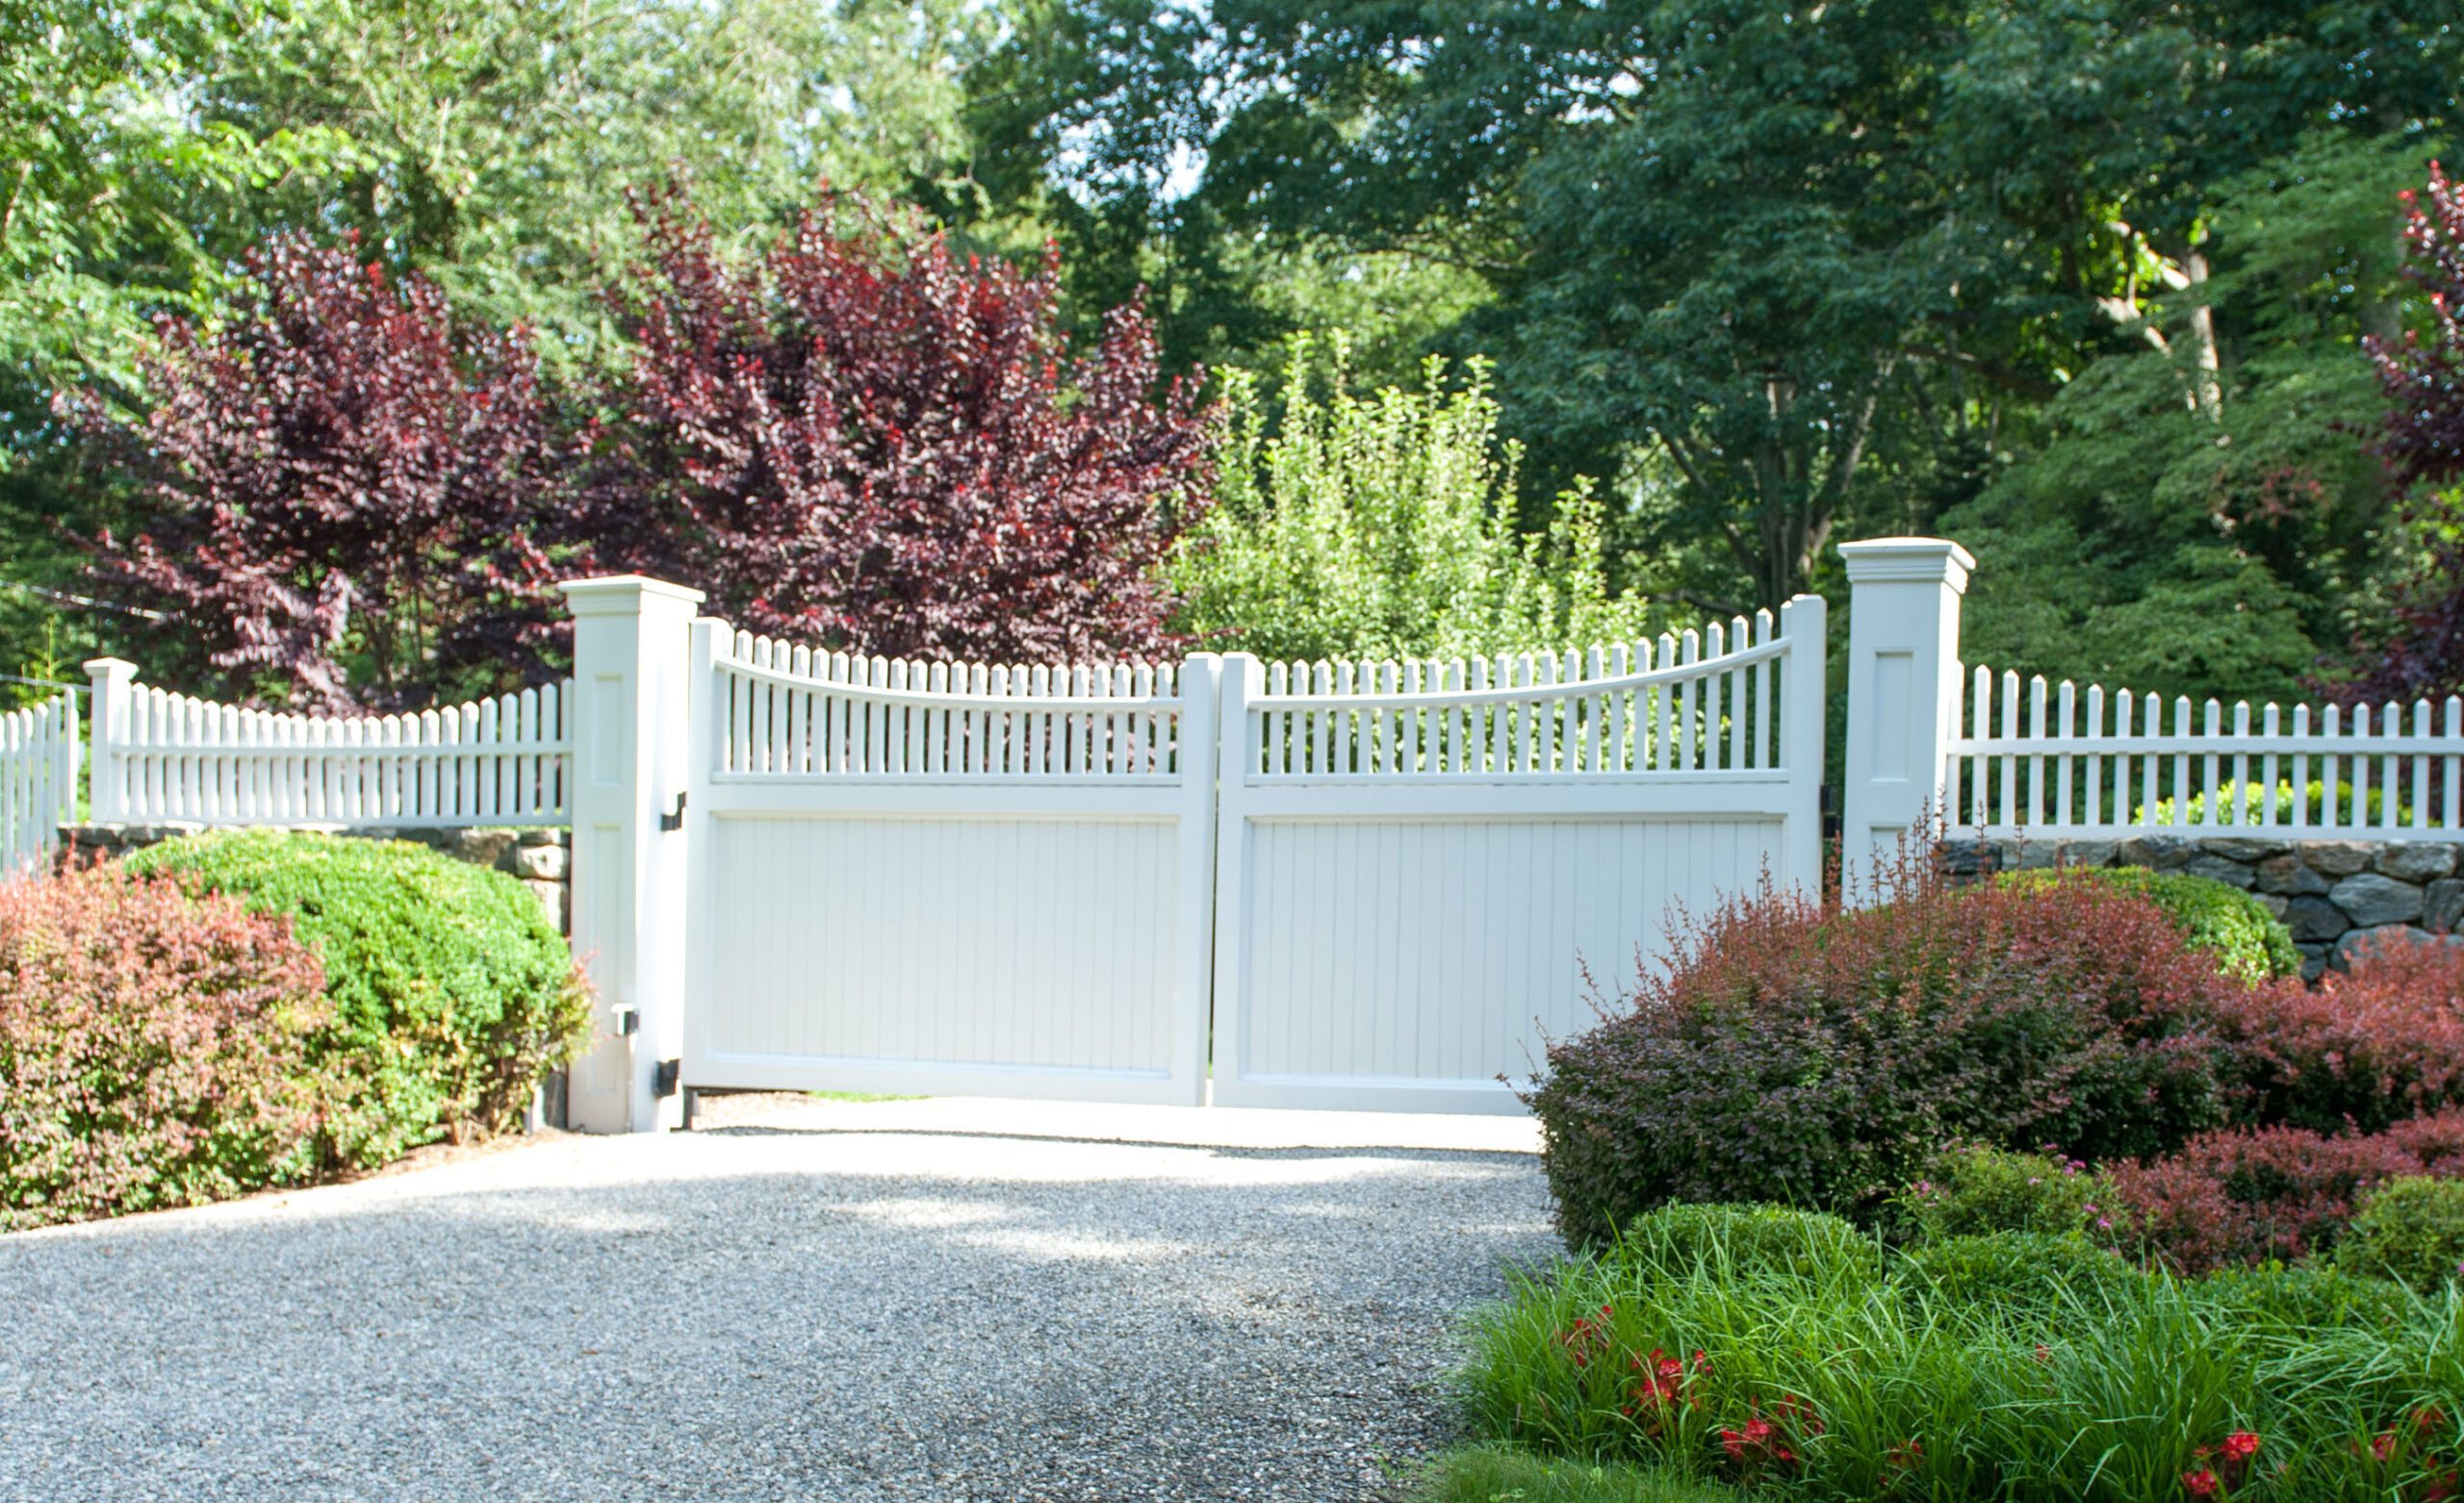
point(2201, 1484)
point(1905, 1455)
point(2240, 1447)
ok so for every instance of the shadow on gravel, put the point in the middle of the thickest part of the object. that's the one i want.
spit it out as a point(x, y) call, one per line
point(825, 1316)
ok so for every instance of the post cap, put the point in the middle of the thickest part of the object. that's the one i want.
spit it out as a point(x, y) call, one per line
point(110, 668)
point(1908, 560)
point(609, 595)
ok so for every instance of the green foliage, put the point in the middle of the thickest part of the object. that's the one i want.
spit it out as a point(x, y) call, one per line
point(2179, 532)
point(1382, 526)
point(1921, 1386)
point(1977, 1190)
point(2409, 1229)
point(452, 992)
point(1501, 1475)
point(2300, 1298)
point(2247, 941)
point(1749, 1241)
point(2032, 1276)
point(2247, 802)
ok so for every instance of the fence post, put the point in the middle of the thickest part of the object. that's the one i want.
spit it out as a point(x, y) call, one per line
point(1242, 678)
point(1903, 694)
point(107, 799)
point(632, 697)
point(1201, 763)
point(1804, 623)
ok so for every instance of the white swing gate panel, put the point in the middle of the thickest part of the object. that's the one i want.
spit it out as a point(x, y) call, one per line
point(1417, 863)
point(997, 885)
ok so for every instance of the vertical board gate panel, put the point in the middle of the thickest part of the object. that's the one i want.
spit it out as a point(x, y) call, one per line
point(948, 878)
point(1417, 863)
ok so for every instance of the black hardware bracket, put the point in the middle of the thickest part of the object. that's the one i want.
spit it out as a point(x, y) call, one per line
point(675, 819)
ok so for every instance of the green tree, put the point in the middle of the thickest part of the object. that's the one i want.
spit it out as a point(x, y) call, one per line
point(1382, 526)
point(2204, 515)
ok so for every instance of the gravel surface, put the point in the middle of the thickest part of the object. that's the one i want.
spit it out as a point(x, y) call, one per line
point(804, 1300)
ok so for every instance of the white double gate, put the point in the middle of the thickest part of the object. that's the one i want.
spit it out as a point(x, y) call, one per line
point(1348, 885)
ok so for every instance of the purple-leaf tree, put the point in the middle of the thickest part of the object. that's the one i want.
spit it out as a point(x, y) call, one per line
point(859, 439)
point(343, 492)
point(2423, 445)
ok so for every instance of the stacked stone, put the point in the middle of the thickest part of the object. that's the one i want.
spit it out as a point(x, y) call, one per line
point(542, 859)
point(2338, 897)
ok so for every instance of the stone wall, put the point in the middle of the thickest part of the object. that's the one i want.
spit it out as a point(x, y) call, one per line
point(2337, 896)
point(540, 857)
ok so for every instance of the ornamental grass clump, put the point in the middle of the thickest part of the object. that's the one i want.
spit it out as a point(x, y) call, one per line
point(1801, 1053)
point(2111, 1384)
point(156, 1049)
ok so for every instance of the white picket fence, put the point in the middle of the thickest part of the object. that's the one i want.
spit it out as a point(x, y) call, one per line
point(38, 766)
point(2057, 762)
point(162, 757)
point(791, 711)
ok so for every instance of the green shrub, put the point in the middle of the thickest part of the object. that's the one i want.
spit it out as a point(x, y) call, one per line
point(2249, 942)
point(1974, 1190)
point(2030, 1275)
point(155, 1049)
point(2243, 805)
point(2298, 1298)
point(1749, 1241)
point(453, 993)
point(2410, 1230)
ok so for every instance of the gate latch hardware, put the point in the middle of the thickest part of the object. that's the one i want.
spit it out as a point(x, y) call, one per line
point(663, 1078)
point(675, 819)
point(629, 1022)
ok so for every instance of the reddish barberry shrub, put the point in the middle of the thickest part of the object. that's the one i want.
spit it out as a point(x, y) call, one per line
point(860, 438)
point(154, 1048)
point(1798, 1053)
point(2359, 1051)
point(2245, 1195)
point(344, 491)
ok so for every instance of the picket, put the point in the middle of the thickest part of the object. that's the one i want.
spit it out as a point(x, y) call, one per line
point(2389, 771)
point(38, 762)
point(167, 758)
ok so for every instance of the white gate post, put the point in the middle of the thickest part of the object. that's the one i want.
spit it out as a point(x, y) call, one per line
point(631, 695)
point(1903, 695)
point(107, 799)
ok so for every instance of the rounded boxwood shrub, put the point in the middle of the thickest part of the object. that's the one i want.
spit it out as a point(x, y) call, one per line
point(1747, 1241)
point(1972, 1191)
point(2410, 1229)
point(453, 993)
point(2296, 1297)
point(2029, 1274)
point(1800, 1054)
point(2218, 918)
point(156, 1049)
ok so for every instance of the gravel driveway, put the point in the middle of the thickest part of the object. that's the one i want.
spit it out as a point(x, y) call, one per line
point(806, 1300)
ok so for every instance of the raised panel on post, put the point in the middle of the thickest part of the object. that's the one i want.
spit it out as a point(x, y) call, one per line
point(630, 698)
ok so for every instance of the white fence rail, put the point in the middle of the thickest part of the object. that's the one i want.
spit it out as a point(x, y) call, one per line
point(162, 758)
point(2058, 762)
point(1416, 862)
point(39, 761)
point(937, 877)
